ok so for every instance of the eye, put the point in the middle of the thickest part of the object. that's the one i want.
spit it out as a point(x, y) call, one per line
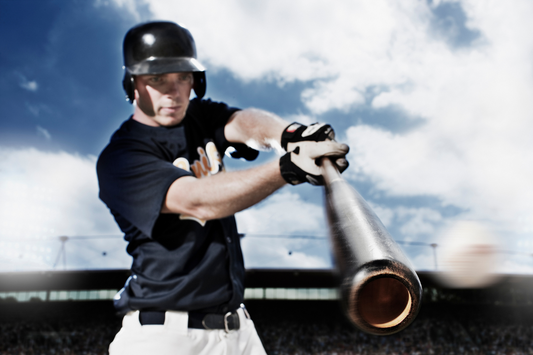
point(185, 77)
point(155, 79)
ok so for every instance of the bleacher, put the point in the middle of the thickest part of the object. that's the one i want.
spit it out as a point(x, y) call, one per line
point(295, 311)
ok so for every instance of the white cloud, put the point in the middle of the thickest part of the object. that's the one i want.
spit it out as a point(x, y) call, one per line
point(423, 261)
point(30, 85)
point(490, 177)
point(473, 150)
point(46, 195)
point(299, 117)
point(284, 213)
point(347, 48)
point(301, 40)
point(285, 253)
point(269, 226)
point(412, 222)
point(44, 132)
point(415, 224)
point(131, 6)
point(419, 221)
point(386, 215)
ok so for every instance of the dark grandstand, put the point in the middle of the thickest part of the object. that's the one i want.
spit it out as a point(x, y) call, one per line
point(71, 312)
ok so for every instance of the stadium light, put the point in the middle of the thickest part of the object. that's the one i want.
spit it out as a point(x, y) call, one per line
point(62, 252)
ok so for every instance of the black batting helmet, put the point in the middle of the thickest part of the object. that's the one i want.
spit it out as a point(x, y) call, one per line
point(158, 48)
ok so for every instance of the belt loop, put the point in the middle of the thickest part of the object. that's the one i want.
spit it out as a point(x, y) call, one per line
point(177, 321)
point(245, 311)
point(226, 326)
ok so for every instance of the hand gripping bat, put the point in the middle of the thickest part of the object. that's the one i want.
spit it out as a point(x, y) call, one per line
point(380, 292)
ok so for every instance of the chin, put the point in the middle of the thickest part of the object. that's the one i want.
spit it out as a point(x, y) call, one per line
point(170, 121)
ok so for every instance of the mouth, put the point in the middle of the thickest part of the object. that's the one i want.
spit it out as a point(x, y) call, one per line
point(170, 109)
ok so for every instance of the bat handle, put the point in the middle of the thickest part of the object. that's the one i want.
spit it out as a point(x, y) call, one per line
point(329, 170)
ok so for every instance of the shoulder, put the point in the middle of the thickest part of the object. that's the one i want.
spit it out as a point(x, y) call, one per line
point(131, 138)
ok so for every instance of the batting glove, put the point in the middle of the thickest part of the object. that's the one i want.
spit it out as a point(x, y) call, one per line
point(297, 132)
point(300, 164)
point(305, 145)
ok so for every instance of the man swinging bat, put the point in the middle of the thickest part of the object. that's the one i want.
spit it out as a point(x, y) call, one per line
point(163, 179)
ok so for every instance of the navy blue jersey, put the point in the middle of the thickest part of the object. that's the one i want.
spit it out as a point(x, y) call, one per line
point(179, 262)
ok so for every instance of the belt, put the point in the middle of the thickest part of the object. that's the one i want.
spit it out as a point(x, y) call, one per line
point(197, 320)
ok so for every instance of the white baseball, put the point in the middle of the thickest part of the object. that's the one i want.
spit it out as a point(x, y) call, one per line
point(469, 256)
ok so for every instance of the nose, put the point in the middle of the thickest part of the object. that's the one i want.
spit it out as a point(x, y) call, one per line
point(173, 87)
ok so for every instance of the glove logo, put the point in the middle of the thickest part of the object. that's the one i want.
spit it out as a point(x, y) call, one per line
point(312, 129)
point(293, 127)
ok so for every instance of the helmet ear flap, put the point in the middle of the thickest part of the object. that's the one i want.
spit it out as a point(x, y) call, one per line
point(200, 84)
point(129, 87)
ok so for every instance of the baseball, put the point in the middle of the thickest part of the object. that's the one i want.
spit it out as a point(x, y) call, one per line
point(469, 256)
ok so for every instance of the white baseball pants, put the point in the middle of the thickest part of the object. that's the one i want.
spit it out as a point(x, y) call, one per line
point(175, 338)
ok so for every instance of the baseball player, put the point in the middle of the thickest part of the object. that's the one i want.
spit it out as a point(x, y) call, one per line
point(163, 179)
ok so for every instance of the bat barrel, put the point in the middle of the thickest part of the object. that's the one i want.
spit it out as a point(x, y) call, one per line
point(380, 291)
point(382, 297)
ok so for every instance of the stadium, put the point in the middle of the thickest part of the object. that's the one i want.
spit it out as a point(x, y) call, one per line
point(295, 311)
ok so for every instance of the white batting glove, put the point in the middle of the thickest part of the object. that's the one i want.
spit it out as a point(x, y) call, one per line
point(300, 163)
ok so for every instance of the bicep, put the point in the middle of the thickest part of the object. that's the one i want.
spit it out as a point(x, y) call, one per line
point(233, 131)
point(179, 198)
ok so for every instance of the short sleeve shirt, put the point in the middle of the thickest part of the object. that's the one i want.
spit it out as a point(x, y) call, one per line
point(179, 262)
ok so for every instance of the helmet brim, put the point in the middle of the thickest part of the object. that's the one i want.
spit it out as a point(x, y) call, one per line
point(166, 65)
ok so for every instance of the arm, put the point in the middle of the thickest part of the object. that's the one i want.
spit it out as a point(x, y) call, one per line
point(258, 129)
point(223, 194)
point(226, 193)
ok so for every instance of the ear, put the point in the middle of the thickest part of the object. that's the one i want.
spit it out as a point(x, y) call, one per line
point(128, 85)
point(135, 94)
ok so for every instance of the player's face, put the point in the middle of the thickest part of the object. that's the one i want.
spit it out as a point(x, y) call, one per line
point(163, 98)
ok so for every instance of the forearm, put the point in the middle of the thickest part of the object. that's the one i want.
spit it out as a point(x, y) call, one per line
point(256, 128)
point(223, 194)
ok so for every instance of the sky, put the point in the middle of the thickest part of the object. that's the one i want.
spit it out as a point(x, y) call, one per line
point(434, 98)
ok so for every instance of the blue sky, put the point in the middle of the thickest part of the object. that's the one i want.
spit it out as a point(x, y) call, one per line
point(434, 98)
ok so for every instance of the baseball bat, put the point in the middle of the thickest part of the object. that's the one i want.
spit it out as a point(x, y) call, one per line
point(380, 291)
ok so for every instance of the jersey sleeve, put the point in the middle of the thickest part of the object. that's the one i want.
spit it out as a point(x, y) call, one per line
point(133, 183)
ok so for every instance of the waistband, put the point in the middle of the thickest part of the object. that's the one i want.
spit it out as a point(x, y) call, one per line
point(198, 320)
